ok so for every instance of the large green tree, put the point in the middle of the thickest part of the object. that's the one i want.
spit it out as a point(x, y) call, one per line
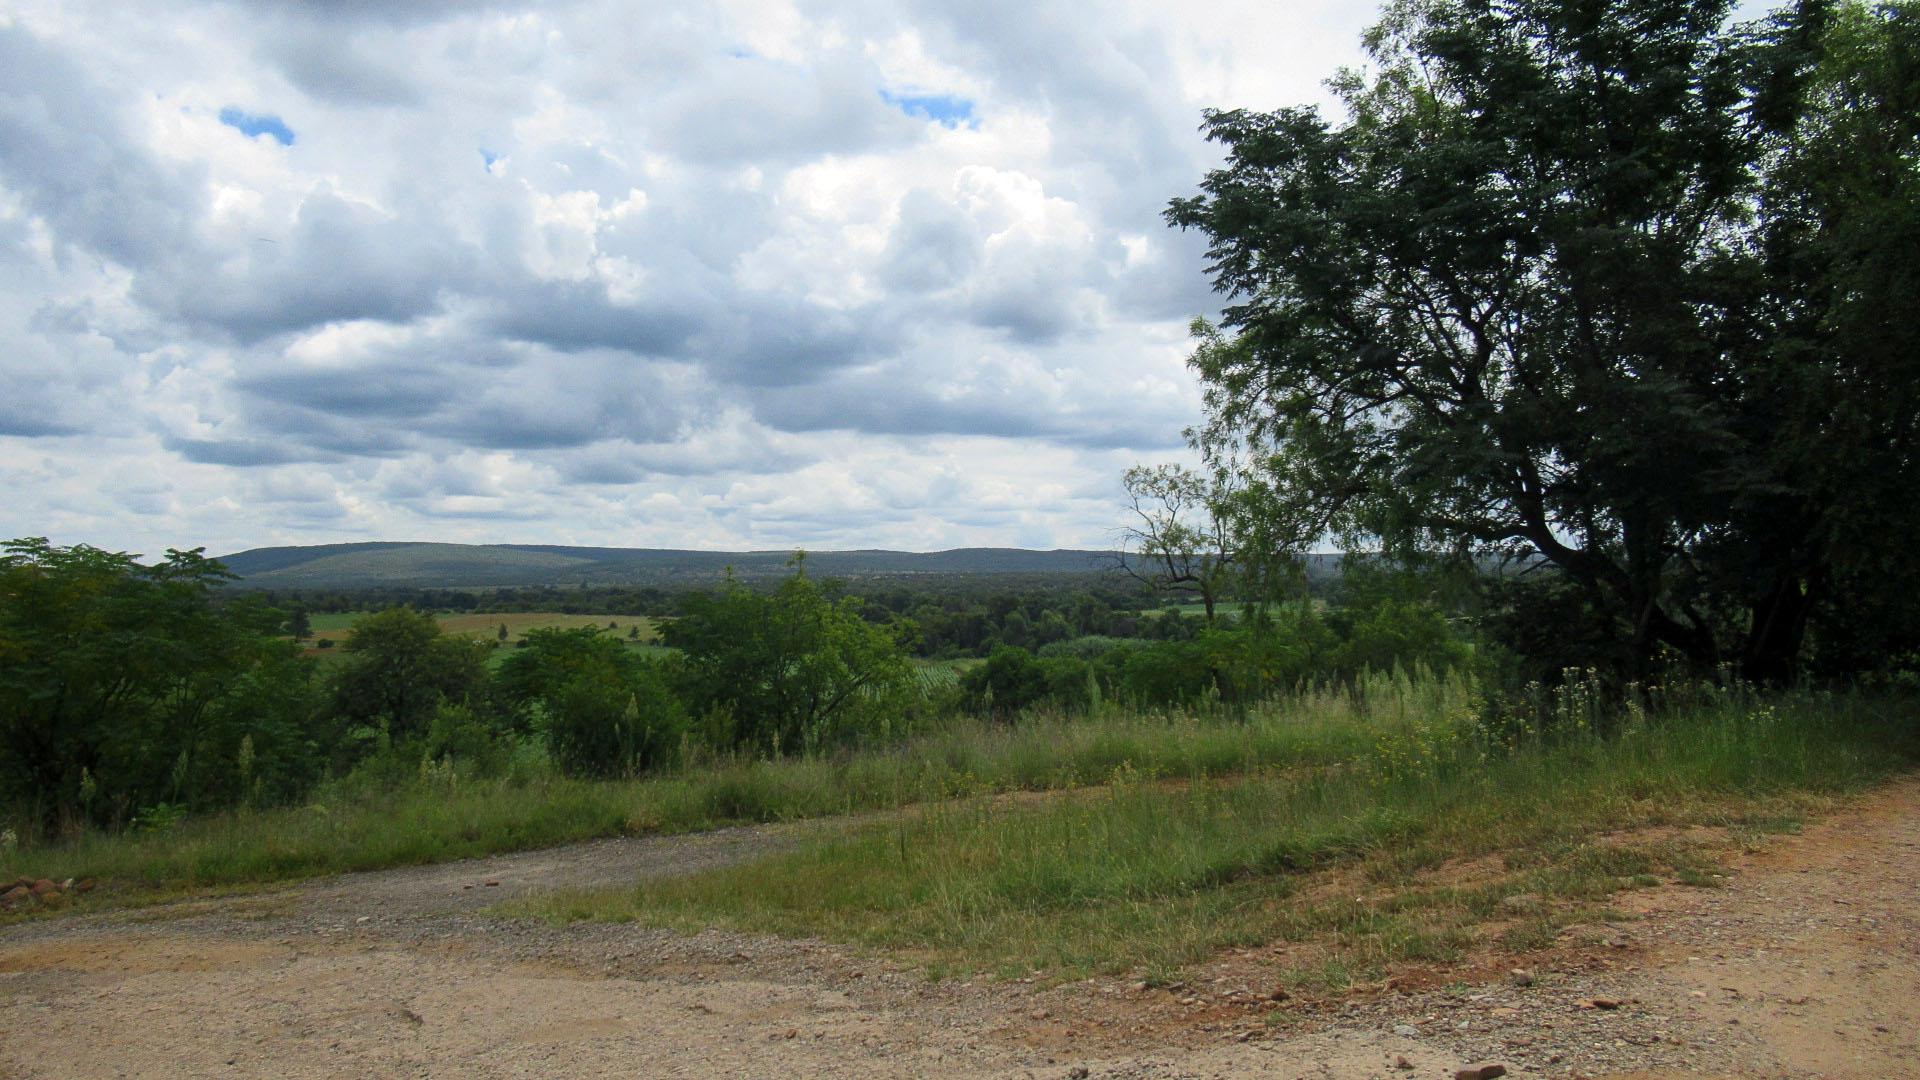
point(124, 684)
point(1599, 282)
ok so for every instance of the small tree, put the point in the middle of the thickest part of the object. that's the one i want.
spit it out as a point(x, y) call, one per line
point(400, 668)
point(794, 669)
point(1179, 541)
point(1011, 680)
point(602, 724)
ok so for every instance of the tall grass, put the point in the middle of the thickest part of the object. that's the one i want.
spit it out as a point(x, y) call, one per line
point(1151, 877)
point(442, 816)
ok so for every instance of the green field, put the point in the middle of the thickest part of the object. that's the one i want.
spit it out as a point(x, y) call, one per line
point(942, 674)
point(335, 625)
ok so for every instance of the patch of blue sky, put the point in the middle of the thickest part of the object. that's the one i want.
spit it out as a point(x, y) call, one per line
point(944, 109)
point(488, 157)
point(253, 124)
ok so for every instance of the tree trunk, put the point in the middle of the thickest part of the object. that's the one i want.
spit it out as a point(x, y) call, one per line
point(1779, 627)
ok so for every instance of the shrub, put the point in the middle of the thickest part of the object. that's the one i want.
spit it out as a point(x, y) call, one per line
point(1010, 682)
point(793, 670)
point(599, 725)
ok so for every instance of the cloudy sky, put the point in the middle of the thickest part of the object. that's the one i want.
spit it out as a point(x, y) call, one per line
point(722, 275)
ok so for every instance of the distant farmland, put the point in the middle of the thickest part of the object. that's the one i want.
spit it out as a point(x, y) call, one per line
point(335, 626)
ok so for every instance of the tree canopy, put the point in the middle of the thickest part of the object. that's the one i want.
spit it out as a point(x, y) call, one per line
point(1606, 283)
point(401, 668)
point(789, 669)
point(122, 685)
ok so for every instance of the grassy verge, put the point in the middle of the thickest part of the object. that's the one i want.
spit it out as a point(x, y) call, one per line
point(442, 819)
point(1345, 868)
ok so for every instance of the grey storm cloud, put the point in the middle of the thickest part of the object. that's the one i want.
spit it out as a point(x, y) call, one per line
point(66, 151)
point(576, 315)
point(28, 411)
point(339, 261)
point(720, 272)
point(356, 69)
point(382, 12)
point(780, 342)
point(995, 401)
point(934, 246)
point(240, 452)
point(468, 394)
point(380, 392)
point(753, 111)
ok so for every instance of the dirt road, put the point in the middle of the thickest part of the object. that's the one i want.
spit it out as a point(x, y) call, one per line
point(1806, 964)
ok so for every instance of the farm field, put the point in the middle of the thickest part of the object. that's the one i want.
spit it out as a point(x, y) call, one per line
point(337, 624)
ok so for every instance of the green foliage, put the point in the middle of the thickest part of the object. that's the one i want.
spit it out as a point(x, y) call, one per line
point(603, 724)
point(463, 738)
point(124, 686)
point(1087, 647)
point(400, 669)
point(1540, 626)
point(1843, 225)
point(790, 670)
point(390, 811)
point(1168, 673)
point(548, 659)
point(1606, 284)
point(1399, 634)
point(1010, 682)
point(1276, 650)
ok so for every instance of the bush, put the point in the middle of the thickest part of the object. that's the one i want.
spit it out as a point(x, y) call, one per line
point(1010, 682)
point(793, 670)
point(475, 746)
point(1400, 634)
point(1168, 673)
point(1013, 681)
point(602, 726)
point(401, 669)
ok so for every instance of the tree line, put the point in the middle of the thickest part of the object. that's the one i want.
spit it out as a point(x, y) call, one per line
point(132, 692)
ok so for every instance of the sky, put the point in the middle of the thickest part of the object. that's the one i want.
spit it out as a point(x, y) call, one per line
point(726, 275)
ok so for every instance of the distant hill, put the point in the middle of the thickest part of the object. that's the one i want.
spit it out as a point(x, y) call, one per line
point(453, 566)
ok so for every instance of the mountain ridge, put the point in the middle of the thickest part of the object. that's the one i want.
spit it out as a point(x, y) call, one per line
point(427, 564)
